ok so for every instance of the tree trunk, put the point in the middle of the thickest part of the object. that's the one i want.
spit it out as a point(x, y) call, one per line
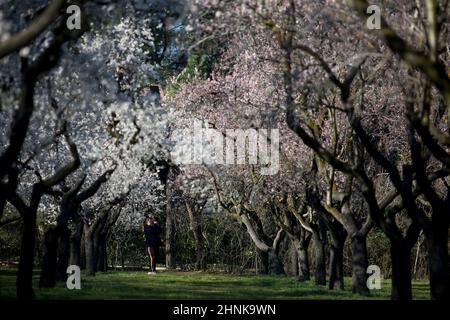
point(63, 254)
point(320, 267)
point(75, 245)
point(25, 271)
point(101, 254)
point(49, 260)
point(56, 256)
point(122, 259)
point(323, 231)
point(89, 248)
point(170, 261)
point(275, 264)
point(359, 264)
point(438, 262)
point(301, 248)
point(105, 260)
point(264, 262)
point(293, 260)
point(83, 252)
point(401, 271)
point(303, 264)
point(338, 236)
point(194, 217)
point(95, 241)
point(200, 254)
point(196, 227)
point(336, 281)
point(116, 256)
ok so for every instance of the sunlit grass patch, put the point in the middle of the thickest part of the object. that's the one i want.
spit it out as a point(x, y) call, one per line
point(194, 285)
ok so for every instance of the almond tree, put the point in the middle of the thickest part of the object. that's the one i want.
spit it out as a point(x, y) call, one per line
point(238, 205)
point(57, 238)
point(301, 30)
point(427, 136)
point(195, 194)
point(402, 180)
point(33, 66)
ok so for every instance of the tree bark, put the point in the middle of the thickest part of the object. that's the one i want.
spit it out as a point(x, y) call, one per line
point(103, 234)
point(169, 239)
point(200, 259)
point(75, 245)
point(83, 252)
point(49, 261)
point(122, 259)
point(319, 263)
point(25, 271)
point(438, 261)
point(96, 243)
point(359, 264)
point(401, 271)
point(293, 261)
point(338, 236)
point(101, 254)
point(301, 248)
point(264, 262)
point(63, 254)
point(56, 256)
point(89, 252)
point(275, 264)
point(196, 226)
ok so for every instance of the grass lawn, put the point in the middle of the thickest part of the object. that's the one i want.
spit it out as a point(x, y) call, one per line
point(194, 285)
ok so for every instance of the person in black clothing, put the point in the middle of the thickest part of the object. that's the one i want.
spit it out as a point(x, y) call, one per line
point(152, 240)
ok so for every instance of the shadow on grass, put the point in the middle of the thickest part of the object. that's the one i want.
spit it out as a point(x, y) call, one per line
point(188, 285)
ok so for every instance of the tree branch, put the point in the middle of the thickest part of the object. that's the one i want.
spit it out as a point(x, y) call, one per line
point(27, 35)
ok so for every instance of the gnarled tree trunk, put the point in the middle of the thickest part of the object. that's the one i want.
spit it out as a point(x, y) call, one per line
point(49, 260)
point(83, 252)
point(194, 213)
point(438, 262)
point(56, 256)
point(338, 236)
point(101, 254)
point(301, 247)
point(359, 264)
point(320, 272)
point(275, 264)
point(25, 271)
point(89, 247)
point(401, 271)
point(169, 239)
point(63, 254)
point(76, 245)
point(264, 262)
point(293, 261)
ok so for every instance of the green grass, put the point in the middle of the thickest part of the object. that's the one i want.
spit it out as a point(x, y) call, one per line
point(194, 285)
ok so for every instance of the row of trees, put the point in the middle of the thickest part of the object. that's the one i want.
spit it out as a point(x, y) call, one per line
point(364, 121)
point(82, 127)
point(89, 118)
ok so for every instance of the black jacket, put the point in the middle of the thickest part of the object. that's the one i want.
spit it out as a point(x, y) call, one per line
point(152, 235)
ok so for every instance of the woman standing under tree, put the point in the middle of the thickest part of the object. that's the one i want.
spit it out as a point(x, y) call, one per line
point(152, 240)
